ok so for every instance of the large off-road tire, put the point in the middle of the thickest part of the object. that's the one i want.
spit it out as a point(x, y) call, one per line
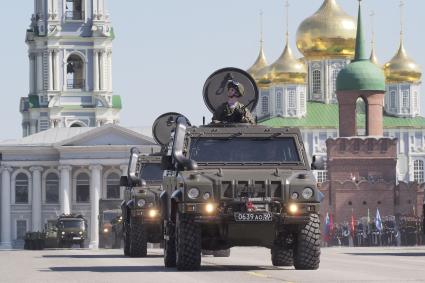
point(170, 246)
point(222, 253)
point(188, 243)
point(138, 239)
point(282, 256)
point(307, 245)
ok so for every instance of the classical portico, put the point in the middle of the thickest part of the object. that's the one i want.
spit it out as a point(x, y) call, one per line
point(63, 170)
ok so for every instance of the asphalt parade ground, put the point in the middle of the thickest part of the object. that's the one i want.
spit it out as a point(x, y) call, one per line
point(244, 265)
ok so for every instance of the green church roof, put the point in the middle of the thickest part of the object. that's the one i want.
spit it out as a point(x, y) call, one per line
point(320, 115)
point(360, 74)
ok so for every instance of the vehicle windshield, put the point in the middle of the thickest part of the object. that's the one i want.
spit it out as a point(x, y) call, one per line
point(244, 150)
point(72, 224)
point(110, 215)
point(151, 172)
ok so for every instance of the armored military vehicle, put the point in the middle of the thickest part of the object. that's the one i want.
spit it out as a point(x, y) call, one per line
point(230, 184)
point(71, 229)
point(109, 213)
point(140, 208)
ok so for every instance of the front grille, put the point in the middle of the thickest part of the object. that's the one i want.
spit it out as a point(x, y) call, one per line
point(248, 189)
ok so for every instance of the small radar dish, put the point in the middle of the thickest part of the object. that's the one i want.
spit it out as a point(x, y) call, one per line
point(163, 125)
point(215, 91)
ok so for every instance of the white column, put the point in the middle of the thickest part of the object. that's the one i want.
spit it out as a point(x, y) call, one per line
point(95, 183)
point(110, 70)
point(95, 70)
point(102, 70)
point(6, 242)
point(56, 69)
point(65, 188)
point(33, 127)
point(39, 71)
point(31, 74)
point(36, 198)
point(50, 67)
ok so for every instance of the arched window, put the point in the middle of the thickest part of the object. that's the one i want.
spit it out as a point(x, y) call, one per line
point(75, 72)
point(74, 10)
point(264, 105)
point(83, 188)
point(52, 188)
point(405, 98)
point(113, 186)
point(21, 188)
point(335, 73)
point(361, 114)
point(418, 171)
point(317, 87)
point(279, 101)
point(392, 100)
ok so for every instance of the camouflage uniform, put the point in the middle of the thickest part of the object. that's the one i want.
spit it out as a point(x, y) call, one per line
point(238, 114)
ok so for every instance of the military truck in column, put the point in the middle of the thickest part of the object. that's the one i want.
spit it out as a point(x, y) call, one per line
point(109, 220)
point(237, 184)
point(71, 230)
point(140, 209)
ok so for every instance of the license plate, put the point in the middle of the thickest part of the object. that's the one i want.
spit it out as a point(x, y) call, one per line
point(254, 217)
point(76, 238)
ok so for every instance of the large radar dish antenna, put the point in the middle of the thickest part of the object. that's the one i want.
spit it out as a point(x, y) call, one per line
point(164, 125)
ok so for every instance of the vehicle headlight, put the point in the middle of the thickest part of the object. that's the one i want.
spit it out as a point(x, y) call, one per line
point(294, 195)
point(63, 232)
point(210, 208)
point(293, 208)
point(206, 196)
point(153, 213)
point(307, 193)
point(105, 230)
point(81, 233)
point(141, 202)
point(193, 193)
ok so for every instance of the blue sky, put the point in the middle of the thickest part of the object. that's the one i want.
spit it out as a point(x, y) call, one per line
point(165, 50)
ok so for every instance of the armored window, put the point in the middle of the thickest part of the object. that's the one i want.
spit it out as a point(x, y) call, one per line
point(21, 188)
point(317, 87)
point(52, 188)
point(75, 72)
point(418, 171)
point(113, 186)
point(264, 105)
point(74, 10)
point(292, 103)
point(83, 188)
point(21, 229)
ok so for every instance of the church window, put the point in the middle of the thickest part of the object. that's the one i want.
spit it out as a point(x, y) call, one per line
point(52, 188)
point(21, 188)
point(405, 98)
point(264, 105)
point(302, 101)
point(418, 171)
point(335, 73)
point(291, 99)
point(317, 82)
point(75, 72)
point(21, 229)
point(392, 99)
point(279, 105)
point(113, 186)
point(74, 10)
point(83, 188)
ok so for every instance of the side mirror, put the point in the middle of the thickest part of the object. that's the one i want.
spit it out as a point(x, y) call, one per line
point(133, 166)
point(178, 145)
point(124, 181)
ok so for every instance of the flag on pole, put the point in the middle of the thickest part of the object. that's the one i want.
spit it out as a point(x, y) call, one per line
point(378, 221)
point(326, 231)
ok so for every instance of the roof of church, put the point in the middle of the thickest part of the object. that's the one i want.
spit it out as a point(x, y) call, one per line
point(320, 115)
point(58, 135)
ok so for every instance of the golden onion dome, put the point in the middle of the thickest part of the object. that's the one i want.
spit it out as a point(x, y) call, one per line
point(288, 69)
point(259, 71)
point(330, 32)
point(373, 57)
point(402, 69)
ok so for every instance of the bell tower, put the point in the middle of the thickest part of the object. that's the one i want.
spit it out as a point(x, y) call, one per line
point(70, 67)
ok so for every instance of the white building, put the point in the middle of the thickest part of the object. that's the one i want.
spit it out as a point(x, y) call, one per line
point(304, 97)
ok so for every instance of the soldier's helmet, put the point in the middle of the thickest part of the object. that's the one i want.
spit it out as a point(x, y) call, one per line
point(237, 86)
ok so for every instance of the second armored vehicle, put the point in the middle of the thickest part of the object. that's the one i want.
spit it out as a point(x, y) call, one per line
point(140, 208)
point(71, 229)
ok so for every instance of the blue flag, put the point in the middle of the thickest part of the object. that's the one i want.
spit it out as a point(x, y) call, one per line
point(327, 224)
point(378, 221)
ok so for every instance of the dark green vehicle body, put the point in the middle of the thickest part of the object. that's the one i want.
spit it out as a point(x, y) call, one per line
point(140, 208)
point(109, 219)
point(233, 185)
point(71, 229)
